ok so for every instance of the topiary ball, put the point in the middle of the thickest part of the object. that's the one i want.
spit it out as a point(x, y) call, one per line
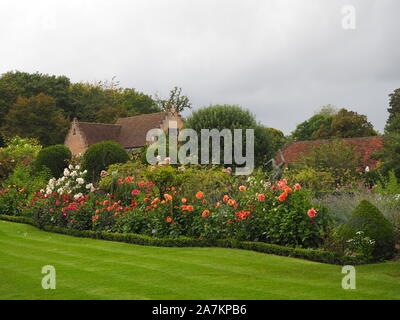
point(367, 218)
point(100, 155)
point(55, 158)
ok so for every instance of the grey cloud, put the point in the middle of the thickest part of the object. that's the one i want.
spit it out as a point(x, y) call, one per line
point(282, 59)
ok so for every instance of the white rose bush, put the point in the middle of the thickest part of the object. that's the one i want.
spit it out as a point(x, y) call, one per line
point(72, 182)
point(66, 201)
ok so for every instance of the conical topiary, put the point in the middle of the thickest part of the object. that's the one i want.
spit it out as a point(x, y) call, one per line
point(367, 218)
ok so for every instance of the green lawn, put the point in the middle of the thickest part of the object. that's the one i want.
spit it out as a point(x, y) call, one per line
point(96, 269)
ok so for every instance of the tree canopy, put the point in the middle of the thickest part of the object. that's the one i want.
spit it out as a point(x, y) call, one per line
point(391, 153)
point(36, 117)
point(233, 117)
point(22, 92)
point(331, 124)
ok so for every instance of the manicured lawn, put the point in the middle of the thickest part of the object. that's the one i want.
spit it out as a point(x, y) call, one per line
point(96, 269)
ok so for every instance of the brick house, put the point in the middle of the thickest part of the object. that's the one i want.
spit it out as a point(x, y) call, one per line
point(129, 132)
point(365, 147)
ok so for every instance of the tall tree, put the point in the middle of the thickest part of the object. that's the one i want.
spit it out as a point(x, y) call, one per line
point(393, 123)
point(175, 102)
point(391, 152)
point(277, 139)
point(36, 117)
point(332, 124)
point(28, 85)
point(232, 117)
point(350, 124)
point(137, 102)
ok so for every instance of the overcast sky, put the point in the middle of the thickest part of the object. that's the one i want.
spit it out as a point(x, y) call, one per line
point(282, 59)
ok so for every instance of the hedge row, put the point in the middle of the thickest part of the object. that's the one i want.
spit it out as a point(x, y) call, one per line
point(307, 254)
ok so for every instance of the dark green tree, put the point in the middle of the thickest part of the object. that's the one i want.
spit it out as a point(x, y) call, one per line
point(330, 124)
point(36, 117)
point(391, 152)
point(27, 85)
point(350, 124)
point(55, 158)
point(100, 155)
point(317, 127)
point(393, 123)
point(277, 139)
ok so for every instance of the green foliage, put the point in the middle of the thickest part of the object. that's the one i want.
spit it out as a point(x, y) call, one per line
point(308, 129)
point(232, 117)
point(389, 186)
point(163, 177)
point(277, 139)
point(25, 111)
point(391, 155)
point(22, 84)
point(335, 161)
point(349, 124)
point(312, 179)
point(194, 179)
point(36, 117)
point(368, 219)
point(105, 102)
point(100, 155)
point(121, 171)
point(393, 123)
point(19, 188)
point(176, 102)
point(54, 158)
point(329, 124)
point(19, 151)
point(361, 246)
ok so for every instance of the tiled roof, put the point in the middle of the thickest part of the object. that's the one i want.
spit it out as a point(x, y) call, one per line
point(97, 132)
point(129, 132)
point(134, 129)
point(365, 146)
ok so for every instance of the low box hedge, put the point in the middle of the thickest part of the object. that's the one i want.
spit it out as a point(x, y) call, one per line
point(307, 254)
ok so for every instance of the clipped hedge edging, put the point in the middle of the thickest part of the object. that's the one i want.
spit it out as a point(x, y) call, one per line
point(328, 257)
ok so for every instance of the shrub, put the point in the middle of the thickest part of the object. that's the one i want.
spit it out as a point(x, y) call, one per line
point(54, 158)
point(100, 155)
point(163, 176)
point(336, 159)
point(18, 190)
point(312, 178)
point(19, 151)
point(119, 177)
point(368, 219)
point(389, 185)
point(72, 182)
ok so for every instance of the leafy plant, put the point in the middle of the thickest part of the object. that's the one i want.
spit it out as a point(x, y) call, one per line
point(368, 219)
point(100, 155)
point(54, 158)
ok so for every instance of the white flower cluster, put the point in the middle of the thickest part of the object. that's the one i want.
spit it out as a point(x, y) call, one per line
point(397, 197)
point(361, 240)
point(252, 181)
point(72, 182)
